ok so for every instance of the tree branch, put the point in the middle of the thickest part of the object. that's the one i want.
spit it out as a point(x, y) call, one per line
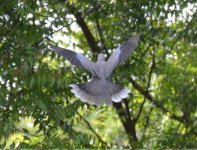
point(128, 124)
point(89, 37)
point(150, 98)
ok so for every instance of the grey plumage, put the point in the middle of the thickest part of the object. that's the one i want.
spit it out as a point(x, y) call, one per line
point(100, 90)
point(77, 59)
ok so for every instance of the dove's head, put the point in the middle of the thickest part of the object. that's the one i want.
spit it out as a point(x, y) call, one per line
point(101, 56)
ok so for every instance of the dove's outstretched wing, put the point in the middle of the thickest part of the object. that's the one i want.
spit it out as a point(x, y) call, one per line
point(77, 59)
point(121, 54)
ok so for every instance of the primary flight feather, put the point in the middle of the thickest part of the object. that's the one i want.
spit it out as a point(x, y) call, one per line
point(100, 90)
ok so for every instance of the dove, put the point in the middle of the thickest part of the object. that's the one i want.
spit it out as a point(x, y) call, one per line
point(100, 89)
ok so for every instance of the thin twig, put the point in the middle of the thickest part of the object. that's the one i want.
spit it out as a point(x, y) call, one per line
point(148, 84)
point(90, 127)
point(104, 47)
point(147, 123)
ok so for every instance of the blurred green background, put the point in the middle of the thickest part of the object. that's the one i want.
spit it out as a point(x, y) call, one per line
point(37, 109)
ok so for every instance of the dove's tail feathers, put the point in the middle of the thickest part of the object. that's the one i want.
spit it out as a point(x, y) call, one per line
point(121, 94)
point(82, 95)
point(99, 91)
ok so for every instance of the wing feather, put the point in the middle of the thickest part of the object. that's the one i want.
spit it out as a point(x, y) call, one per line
point(77, 59)
point(121, 54)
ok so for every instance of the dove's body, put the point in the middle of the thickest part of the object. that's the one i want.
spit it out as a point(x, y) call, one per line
point(100, 89)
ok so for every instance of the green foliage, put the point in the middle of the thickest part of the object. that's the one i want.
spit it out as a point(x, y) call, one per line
point(36, 105)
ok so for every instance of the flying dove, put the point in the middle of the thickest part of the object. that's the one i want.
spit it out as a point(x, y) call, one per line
point(100, 90)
